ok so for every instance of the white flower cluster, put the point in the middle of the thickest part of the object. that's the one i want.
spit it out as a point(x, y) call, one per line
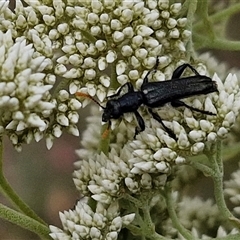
point(128, 36)
point(97, 36)
point(105, 177)
point(144, 163)
point(25, 105)
point(155, 151)
point(85, 223)
point(232, 190)
point(95, 46)
point(221, 233)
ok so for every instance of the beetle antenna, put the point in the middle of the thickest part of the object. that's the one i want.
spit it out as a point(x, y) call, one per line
point(85, 95)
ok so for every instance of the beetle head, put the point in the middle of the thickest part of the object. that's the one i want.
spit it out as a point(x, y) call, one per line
point(111, 111)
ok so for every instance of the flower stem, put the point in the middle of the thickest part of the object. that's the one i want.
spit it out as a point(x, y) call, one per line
point(24, 221)
point(217, 177)
point(172, 213)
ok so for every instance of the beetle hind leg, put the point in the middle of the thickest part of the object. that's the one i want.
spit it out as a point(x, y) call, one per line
point(178, 103)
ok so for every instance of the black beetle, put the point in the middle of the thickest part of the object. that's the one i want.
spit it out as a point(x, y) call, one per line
point(156, 94)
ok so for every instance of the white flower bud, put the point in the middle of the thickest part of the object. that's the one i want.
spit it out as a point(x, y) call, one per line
point(174, 33)
point(103, 198)
point(63, 95)
point(126, 51)
point(63, 28)
point(146, 181)
point(197, 135)
point(104, 18)
point(186, 34)
point(128, 32)
point(60, 69)
point(212, 137)
point(222, 132)
point(180, 160)
point(105, 80)
point(116, 24)
point(131, 185)
point(122, 79)
point(144, 31)
point(171, 23)
point(127, 16)
point(141, 53)
point(62, 119)
point(229, 120)
point(175, 8)
point(21, 21)
point(57, 131)
point(101, 93)
point(75, 59)
point(137, 41)
point(49, 20)
point(116, 224)
point(162, 167)
point(72, 129)
point(101, 45)
point(111, 56)
point(95, 30)
point(133, 74)
point(91, 89)
point(93, 18)
point(73, 73)
point(138, 8)
point(181, 22)
point(90, 74)
point(102, 63)
point(32, 18)
point(160, 34)
point(118, 36)
point(95, 233)
point(151, 42)
point(206, 126)
point(112, 236)
point(197, 148)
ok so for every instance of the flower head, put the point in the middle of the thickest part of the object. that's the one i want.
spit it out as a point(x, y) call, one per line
point(25, 101)
point(85, 223)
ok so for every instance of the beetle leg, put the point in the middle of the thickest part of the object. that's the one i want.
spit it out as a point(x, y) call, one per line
point(178, 103)
point(141, 124)
point(158, 118)
point(179, 71)
point(129, 88)
point(145, 80)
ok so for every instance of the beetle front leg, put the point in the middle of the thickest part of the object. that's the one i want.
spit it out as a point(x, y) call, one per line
point(141, 124)
point(145, 80)
point(129, 87)
point(178, 103)
point(158, 118)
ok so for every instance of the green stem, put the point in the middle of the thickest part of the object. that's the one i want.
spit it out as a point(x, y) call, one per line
point(192, 7)
point(201, 41)
point(172, 213)
point(218, 16)
point(203, 11)
point(24, 221)
point(207, 171)
point(217, 177)
point(12, 196)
